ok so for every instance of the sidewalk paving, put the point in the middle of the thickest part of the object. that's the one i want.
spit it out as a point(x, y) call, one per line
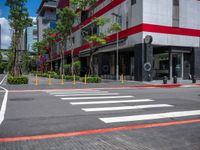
point(56, 84)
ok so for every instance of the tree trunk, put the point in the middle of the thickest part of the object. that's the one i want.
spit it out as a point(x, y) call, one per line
point(62, 60)
point(72, 57)
point(51, 56)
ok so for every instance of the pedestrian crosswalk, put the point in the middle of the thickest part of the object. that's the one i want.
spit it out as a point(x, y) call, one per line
point(101, 101)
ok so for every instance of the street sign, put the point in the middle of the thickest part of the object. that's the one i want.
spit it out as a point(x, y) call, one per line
point(147, 66)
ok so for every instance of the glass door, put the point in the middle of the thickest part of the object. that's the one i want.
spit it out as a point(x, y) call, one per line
point(177, 65)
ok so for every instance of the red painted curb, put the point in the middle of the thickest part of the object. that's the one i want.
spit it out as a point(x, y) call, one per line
point(95, 131)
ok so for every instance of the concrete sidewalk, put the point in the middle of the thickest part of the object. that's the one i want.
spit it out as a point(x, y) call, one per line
point(56, 84)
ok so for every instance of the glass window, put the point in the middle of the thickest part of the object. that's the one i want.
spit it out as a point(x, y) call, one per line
point(133, 2)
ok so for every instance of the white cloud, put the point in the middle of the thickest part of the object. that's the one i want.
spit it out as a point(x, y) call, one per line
point(5, 33)
point(34, 19)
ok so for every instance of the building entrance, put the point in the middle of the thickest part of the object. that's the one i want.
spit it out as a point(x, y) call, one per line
point(176, 66)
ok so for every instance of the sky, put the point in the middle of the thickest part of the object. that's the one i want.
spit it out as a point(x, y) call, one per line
point(32, 6)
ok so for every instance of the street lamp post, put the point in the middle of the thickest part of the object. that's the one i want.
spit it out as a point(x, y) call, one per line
point(117, 59)
point(117, 51)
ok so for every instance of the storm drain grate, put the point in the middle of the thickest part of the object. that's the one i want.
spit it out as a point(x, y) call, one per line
point(21, 99)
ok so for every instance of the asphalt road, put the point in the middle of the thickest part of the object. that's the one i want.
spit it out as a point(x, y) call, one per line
point(47, 112)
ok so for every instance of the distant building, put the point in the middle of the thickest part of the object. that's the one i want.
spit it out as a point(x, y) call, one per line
point(4, 53)
point(0, 36)
point(31, 36)
point(46, 16)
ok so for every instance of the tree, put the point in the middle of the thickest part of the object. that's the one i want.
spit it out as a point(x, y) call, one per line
point(49, 37)
point(95, 39)
point(66, 20)
point(1, 64)
point(40, 48)
point(26, 62)
point(82, 5)
point(19, 20)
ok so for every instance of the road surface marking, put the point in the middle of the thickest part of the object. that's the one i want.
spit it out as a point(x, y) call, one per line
point(3, 106)
point(104, 97)
point(125, 107)
point(74, 90)
point(96, 131)
point(111, 102)
point(87, 94)
point(150, 116)
point(3, 79)
point(63, 93)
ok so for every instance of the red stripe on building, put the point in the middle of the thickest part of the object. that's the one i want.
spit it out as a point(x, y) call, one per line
point(101, 12)
point(144, 28)
point(170, 30)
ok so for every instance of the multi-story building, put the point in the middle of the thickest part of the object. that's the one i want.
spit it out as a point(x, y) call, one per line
point(158, 38)
point(31, 36)
point(0, 36)
point(46, 16)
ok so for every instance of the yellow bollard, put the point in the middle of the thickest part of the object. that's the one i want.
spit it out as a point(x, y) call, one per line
point(62, 80)
point(85, 79)
point(74, 80)
point(122, 79)
point(49, 80)
point(36, 80)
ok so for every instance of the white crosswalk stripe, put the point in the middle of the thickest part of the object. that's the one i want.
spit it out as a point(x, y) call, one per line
point(150, 116)
point(88, 98)
point(125, 107)
point(103, 97)
point(77, 92)
point(111, 102)
point(87, 94)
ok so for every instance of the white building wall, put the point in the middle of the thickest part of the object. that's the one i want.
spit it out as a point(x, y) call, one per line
point(190, 14)
point(156, 12)
point(159, 12)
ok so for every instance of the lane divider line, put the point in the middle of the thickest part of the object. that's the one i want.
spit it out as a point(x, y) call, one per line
point(96, 131)
point(3, 79)
point(3, 106)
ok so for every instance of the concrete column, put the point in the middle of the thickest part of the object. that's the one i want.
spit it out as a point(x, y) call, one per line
point(195, 68)
point(143, 54)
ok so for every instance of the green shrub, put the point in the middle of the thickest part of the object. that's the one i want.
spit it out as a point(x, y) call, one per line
point(67, 68)
point(72, 78)
point(92, 79)
point(17, 80)
point(56, 76)
point(77, 67)
point(52, 73)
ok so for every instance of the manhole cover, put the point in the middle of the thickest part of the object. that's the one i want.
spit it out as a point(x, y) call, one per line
point(21, 99)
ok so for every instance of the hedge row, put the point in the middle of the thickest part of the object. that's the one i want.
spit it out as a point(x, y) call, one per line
point(92, 79)
point(17, 80)
point(54, 75)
